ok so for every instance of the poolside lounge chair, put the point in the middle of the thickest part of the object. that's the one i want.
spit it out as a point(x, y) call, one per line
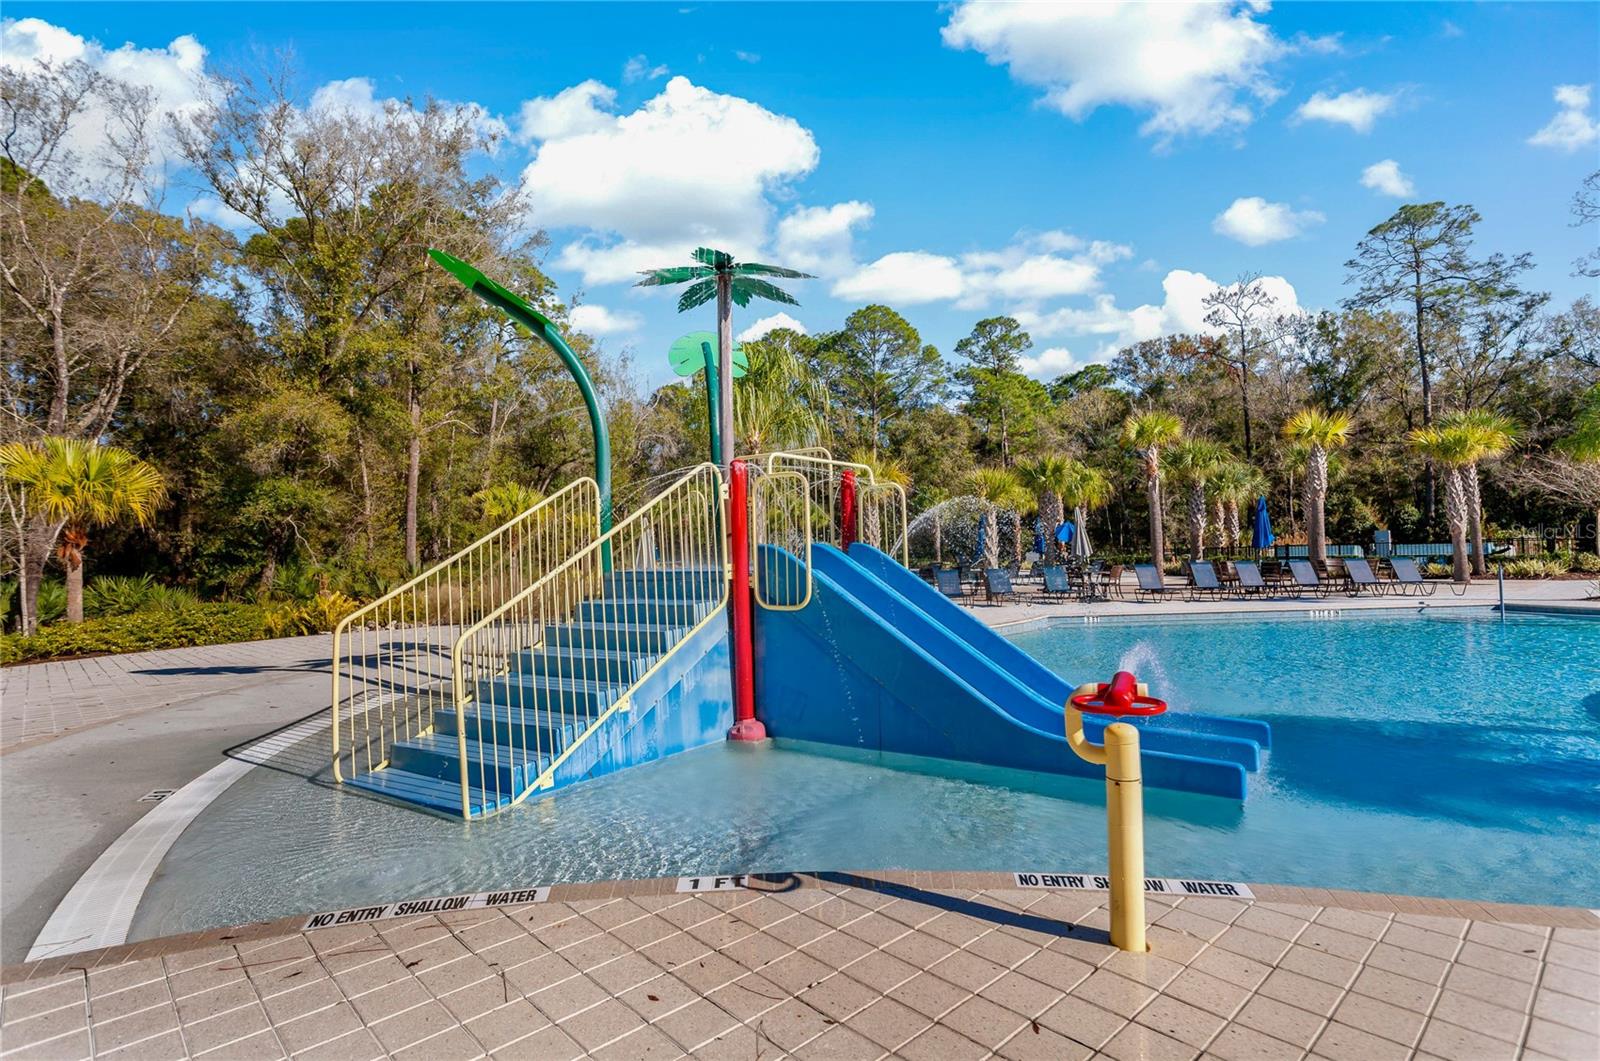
point(949, 582)
point(1408, 578)
point(1305, 578)
point(1057, 586)
point(997, 585)
point(1359, 572)
point(1152, 586)
point(1203, 579)
point(1249, 575)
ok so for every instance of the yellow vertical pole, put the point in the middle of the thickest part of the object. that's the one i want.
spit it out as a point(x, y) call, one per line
point(1125, 836)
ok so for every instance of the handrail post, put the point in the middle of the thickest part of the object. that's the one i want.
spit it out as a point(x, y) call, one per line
point(746, 727)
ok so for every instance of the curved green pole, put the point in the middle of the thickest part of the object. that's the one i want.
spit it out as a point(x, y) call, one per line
point(537, 323)
point(712, 398)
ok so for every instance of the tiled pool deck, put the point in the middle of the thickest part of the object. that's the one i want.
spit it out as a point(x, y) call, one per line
point(914, 965)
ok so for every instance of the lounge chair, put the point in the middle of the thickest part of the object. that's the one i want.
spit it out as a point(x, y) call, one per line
point(997, 585)
point(1359, 572)
point(949, 582)
point(1305, 577)
point(1409, 578)
point(1152, 586)
point(1249, 575)
point(1203, 579)
point(1057, 586)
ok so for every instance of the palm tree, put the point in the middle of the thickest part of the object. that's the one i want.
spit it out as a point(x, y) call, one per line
point(884, 470)
point(81, 485)
point(1234, 484)
point(718, 276)
point(1193, 461)
point(502, 501)
point(1495, 435)
point(1451, 448)
point(1146, 433)
point(782, 403)
point(997, 488)
point(1047, 478)
point(1318, 432)
point(1085, 489)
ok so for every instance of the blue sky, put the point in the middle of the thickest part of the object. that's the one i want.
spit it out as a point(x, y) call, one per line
point(1093, 171)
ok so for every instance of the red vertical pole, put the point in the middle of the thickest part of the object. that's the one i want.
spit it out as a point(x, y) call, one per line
point(745, 724)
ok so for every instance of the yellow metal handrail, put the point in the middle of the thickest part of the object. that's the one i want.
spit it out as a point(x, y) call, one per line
point(391, 654)
point(780, 516)
point(568, 651)
point(881, 518)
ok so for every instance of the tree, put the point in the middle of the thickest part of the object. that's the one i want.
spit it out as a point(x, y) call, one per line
point(879, 372)
point(1493, 435)
point(1003, 400)
point(1192, 462)
point(1421, 257)
point(506, 501)
point(1086, 379)
point(718, 276)
point(82, 485)
point(1084, 489)
point(1451, 448)
point(1146, 434)
point(1242, 309)
point(1318, 432)
point(94, 280)
point(1233, 485)
point(1586, 211)
point(997, 488)
point(1047, 477)
point(782, 403)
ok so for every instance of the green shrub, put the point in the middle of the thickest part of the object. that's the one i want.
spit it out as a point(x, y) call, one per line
point(1536, 567)
point(1586, 563)
point(115, 595)
point(198, 624)
point(52, 600)
point(318, 616)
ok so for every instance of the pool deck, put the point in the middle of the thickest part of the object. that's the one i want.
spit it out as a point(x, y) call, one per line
point(866, 965)
point(1427, 977)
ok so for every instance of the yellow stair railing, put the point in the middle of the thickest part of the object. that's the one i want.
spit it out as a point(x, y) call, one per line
point(880, 506)
point(391, 664)
point(780, 516)
point(621, 606)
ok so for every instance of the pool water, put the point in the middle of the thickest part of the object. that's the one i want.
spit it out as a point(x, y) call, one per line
point(1444, 753)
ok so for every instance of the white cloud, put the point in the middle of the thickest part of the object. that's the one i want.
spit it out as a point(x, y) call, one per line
point(582, 108)
point(1254, 221)
point(639, 69)
point(1385, 178)
point(1572, 127)
point(598, 320)
point(689, 167)
point(1358, 108)
point(1196, 66)
point(904, 277)
point(819, 239)
point(1110, 328)
point(746, 57)
point(219, 213)
point(171, 76)
point(1028, 271)
point(767, 324)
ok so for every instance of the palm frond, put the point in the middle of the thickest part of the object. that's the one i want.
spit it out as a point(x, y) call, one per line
point(697, 294)
point(748, 288)
point(714, 258)
point(757, 269)
point(677, 274)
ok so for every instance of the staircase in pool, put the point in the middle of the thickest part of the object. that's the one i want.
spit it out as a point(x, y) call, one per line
point(475, 684)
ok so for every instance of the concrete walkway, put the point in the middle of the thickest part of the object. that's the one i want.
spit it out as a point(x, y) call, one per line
point(934, 966)
point(85, 740)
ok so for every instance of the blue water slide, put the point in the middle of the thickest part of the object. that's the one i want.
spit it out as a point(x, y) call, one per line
point(861, 667)
point(984, 640)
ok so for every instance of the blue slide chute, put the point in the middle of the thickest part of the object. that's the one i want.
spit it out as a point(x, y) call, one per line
point(874, 665)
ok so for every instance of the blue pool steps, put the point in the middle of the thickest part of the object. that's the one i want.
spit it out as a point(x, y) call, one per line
point(523, 719)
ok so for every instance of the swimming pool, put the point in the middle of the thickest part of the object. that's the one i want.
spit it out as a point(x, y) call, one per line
point(1442, 753)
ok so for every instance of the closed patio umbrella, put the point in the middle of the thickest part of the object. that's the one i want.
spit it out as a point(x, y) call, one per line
point(1080, 542)
point(1260, 526)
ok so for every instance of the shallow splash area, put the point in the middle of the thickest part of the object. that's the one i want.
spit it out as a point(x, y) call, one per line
point(1447, 753)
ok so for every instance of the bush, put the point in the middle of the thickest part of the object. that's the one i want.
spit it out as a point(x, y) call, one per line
point(115, 595)
point(1536, 567)
point(1586, 563)
point(198, 624)
point(318, 616)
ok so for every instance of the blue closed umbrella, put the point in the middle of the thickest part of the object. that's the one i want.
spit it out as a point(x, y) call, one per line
point(1038, 537)
point(983, 540)
point(1260, 526)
